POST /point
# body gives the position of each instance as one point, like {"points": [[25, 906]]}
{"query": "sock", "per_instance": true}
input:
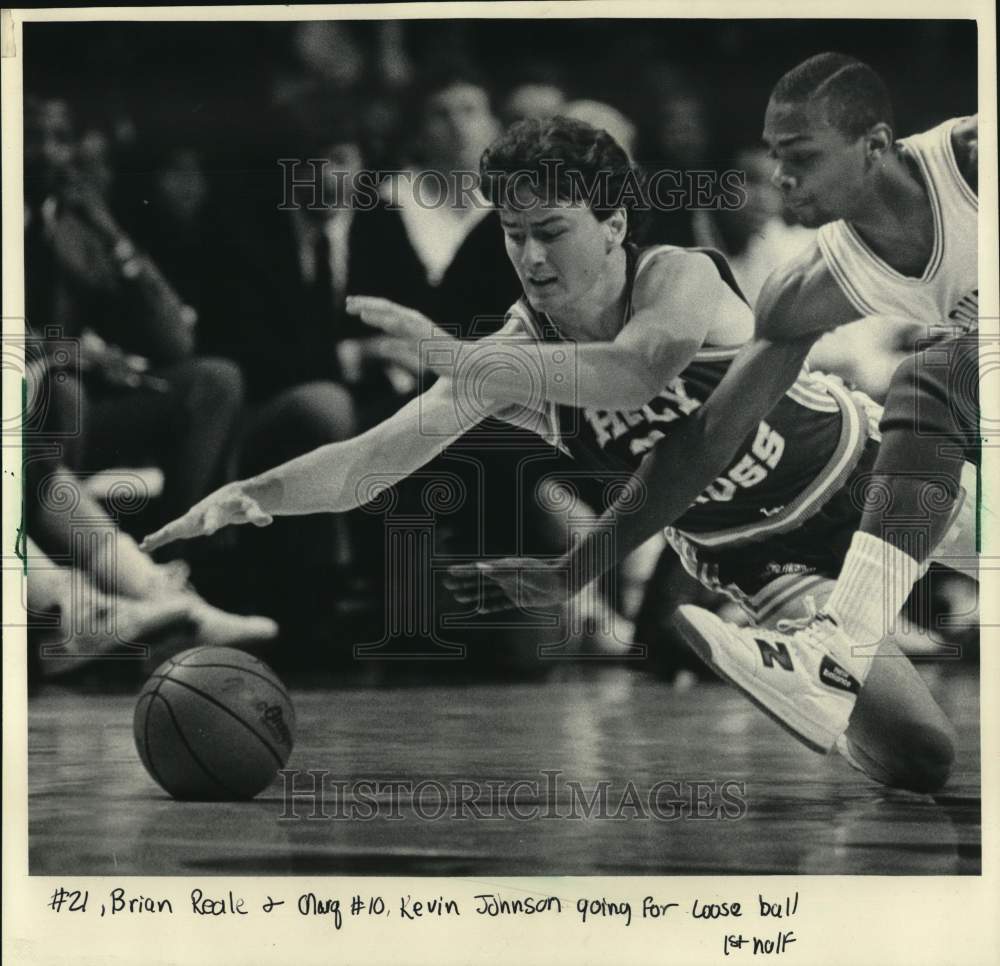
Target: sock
{"points": [[872, 587]]}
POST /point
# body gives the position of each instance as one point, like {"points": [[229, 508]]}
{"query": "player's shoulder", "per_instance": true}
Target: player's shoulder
{"points": [[965, 144], [659, 261], [800, 298], [664, 271]]}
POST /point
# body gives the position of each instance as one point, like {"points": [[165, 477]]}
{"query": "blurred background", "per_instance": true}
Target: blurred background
{"points": [[203, 335]]}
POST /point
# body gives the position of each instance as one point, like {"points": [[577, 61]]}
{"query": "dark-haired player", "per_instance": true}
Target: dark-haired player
{"points": [[607, 354], [897, 236]]}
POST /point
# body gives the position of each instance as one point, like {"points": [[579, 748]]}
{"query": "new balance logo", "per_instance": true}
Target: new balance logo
{"points": [[831, 673], [776, 652]]}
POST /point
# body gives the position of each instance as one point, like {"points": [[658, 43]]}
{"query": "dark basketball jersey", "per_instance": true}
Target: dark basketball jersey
{"points": [[782, 474]]}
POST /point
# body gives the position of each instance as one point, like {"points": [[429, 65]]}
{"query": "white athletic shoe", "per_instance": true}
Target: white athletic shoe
{"points": [[803, 680]]}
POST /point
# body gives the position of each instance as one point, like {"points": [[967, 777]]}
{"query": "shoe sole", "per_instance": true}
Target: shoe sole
{"points": [[698, 643]]}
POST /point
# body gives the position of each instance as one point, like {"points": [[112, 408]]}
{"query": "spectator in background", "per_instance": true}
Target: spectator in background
{"points": [[174, 220], [360, 68], [327, 56], [677, 137], [756, 237], [145, 394], [453, 123], [82, 558], [72, 622], [538, 91], [282, 260], [288, 251]]}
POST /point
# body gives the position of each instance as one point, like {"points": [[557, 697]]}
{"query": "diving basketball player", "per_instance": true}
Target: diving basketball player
{"points": [[897, 235], [607, 354]]}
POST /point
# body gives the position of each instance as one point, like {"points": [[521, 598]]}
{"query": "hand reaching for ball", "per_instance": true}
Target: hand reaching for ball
{"points": [[231, 505], [513, 582]]}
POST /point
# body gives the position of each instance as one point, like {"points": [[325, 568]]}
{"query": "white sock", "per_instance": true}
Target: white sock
{"points": [[872, 587]]}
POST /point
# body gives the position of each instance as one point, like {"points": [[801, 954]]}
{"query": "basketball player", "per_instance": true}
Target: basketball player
{"points": [[652, 334], [897, 235]]}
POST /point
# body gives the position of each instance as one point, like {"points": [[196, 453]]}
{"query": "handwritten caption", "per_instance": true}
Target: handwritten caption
{"points": [[759, 911]]}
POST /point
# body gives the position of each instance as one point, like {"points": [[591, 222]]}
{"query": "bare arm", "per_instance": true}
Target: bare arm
{"points": [[339, 476], [965, 143], [676, 300], [798, 304]]}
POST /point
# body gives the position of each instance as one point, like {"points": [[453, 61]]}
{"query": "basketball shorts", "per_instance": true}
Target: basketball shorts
{"points": [[775, 578]]}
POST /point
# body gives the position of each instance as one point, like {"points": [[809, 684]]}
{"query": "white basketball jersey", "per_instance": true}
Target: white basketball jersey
{"points": [[947, 294]]}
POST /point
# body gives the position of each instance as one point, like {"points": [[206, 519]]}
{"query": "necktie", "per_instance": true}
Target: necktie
{"points": [[322, 283]]}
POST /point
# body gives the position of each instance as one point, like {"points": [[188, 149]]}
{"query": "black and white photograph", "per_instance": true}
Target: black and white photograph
{"points": [[497, 446]]}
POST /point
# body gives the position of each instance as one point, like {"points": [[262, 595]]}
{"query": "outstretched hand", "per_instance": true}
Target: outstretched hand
{"points": [[393, 319], [512, 582], [229, 506]]}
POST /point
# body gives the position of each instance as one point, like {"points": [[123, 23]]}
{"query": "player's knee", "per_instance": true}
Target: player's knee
{"points": [[927, 762], [222, 379], [919, 399], [207, 384]]}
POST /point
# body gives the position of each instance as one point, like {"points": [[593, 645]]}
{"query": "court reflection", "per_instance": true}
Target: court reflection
{"points": [[597, 771]]}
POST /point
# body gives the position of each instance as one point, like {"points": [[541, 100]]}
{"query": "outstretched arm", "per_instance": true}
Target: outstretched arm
{"points": [[678, 468], [676, 300], [672, 475], [339, 476], [798, 304]]}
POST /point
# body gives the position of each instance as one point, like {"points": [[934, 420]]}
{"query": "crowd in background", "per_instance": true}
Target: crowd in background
{"points": [[191, 327]]}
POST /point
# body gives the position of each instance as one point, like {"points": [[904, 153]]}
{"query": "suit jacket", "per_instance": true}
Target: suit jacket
{"points": [[258, 310]]}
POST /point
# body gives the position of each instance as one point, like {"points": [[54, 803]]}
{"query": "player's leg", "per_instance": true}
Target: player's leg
{"points": [[898, 735], [929, 429]]}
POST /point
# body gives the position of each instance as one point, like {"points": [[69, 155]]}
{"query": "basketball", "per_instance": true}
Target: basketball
{"points": [[214, 724]]}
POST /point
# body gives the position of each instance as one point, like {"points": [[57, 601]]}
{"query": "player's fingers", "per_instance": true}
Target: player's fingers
{"points": [[479, 595], [498, 607], [464, 585], [390, 324], [376, 311], [390, 317], [497, 597], [249, 510], [355, 303], [463, 572], [183, 528], [476, 583], [212, 519], [467, 580], [395, 350], [487, 601]]}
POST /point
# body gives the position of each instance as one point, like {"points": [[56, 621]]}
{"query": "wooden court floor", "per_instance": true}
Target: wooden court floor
{"points": [[93, 809]]}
